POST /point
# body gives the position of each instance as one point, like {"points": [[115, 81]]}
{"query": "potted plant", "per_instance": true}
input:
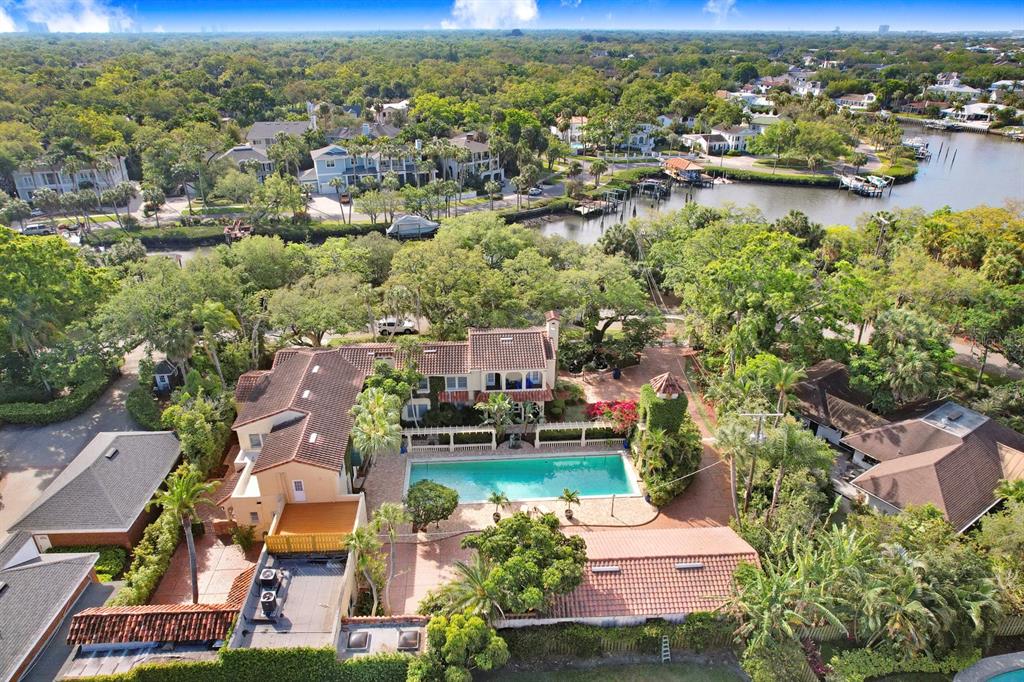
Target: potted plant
{"points": [[570, 497], [498, 499]]}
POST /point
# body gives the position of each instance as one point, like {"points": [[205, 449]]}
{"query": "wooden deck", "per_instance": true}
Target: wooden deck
{"points": [[318, 517]]}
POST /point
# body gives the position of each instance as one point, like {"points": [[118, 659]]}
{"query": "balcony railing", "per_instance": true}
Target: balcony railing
{"points": [[306, 544]]}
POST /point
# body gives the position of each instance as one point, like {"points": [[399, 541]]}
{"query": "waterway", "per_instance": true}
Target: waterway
{"points": [[970, 169]]}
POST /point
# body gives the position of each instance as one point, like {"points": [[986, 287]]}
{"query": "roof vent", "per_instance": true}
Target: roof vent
{"points": [[3, 587], [689, 566], [305, 394], [954, 416], [429, 350], [312, 437], [505, 339], [111, 453], [605, 569], [316, 368]]}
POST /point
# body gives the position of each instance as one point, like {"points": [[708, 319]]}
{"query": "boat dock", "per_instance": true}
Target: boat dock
{"points": [[866, 186], [919, 147], [592, 207], [658, 189]]}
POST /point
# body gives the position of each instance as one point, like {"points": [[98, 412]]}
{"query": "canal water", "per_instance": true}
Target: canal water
{"points": [[971, 169]]}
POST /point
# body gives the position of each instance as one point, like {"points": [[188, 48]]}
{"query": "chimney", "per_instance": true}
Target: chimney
{"points": [[552, 322]]}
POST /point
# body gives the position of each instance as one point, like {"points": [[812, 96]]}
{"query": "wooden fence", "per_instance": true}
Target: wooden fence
{"points": [[1011, 626], [306, 544]]}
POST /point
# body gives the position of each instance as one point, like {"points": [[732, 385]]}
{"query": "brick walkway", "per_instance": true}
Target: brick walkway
{"points": [[219, 562]]}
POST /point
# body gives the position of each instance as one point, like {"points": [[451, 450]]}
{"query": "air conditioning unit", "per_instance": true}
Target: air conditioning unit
{"points": [[269, 578], [268, 602]]}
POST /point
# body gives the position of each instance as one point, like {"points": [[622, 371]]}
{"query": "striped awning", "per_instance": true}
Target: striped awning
{"points": [[533, 395], [453, 396]]}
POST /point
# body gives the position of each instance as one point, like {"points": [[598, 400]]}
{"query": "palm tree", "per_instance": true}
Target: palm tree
{"points": [[650, 450], [570, 497], [733, 440], [492, 187], [185, 488], [337, 184], [497, 411], [365, 545], [214, 318], [499, 500], [376, 430], [388, 517], [597, 169], [472, 591], [789, 445], [911, 375], [783, 377]]}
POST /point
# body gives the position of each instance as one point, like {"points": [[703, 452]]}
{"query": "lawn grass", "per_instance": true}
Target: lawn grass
{"points": [[970, 375], [650, 672]]}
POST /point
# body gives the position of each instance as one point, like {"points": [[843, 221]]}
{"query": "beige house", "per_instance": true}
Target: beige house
{"points": [[294, 420]]}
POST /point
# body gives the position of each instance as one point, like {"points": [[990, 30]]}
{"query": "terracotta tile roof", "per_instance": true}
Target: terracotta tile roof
{"points": [[507, 349], [680, 164], [535, 395], [825, 396], [227, 486], [152, 623], [667, 384], [240, 587], [922, 462], [649, 580]]}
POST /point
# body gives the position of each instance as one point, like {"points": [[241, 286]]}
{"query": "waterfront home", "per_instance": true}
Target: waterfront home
{"points": [[856, 101], [641, 139], [707, 143], [100, 498], [922, 106], [482, 162], [828, 406], [682, 169], [999, 89], [294, 420], [54, 176], [952, 458], [736, 136], [638, 574], [573, 134], [245, 156], [368, 129], [37, 591], [979, 111], [262, 134], [335, 161], [957, 90], [946, 79]]}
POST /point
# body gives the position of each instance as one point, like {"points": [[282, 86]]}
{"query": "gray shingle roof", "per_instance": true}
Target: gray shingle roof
{"points": [[267, 130], [100, 493], [38, 588]]}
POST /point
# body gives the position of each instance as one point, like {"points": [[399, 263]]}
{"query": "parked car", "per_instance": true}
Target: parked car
{"points": [[390, 326], [36, 229], [535, 191], [37, 213]]}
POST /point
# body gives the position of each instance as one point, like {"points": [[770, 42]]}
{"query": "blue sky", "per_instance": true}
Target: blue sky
{"points": [[363, 15]]}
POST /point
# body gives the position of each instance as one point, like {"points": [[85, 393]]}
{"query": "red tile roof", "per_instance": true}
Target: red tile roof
{"points": [[507, 349], [152, 623], [453, 396], [649, 580]]}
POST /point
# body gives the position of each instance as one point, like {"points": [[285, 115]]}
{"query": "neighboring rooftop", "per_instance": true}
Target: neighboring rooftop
{"points": [[825, 396], [369, 635], [37, 589], [952, 457], [655, 573], [268, 130], [106, 486]]}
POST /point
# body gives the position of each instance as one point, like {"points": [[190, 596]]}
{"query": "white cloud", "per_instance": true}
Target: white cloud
{"points": [[720, 8], [159, 28], [76, 16], [6, 22], [571, 3], [491, 13]]}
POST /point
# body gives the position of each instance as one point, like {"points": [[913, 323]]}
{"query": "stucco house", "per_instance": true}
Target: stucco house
{"points": [[294, 420], [335, 161], [56, 177], [707, 143], [856, 101], [482, 162]]}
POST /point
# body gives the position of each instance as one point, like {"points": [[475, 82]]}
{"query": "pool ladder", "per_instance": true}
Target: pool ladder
{"points": [[666, 651]]}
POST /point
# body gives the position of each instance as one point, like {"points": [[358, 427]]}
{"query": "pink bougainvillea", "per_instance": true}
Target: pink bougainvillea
{"points": [[621, 412]]}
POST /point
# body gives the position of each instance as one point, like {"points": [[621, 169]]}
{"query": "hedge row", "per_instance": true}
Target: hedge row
{"points": [[109, 566], [774, 179], [859, 665], [144, 408], [318, 232], [700, 631], [152, 556], [58, 410], [280, 665], [211, 235], [539, 208], [571, 434]]}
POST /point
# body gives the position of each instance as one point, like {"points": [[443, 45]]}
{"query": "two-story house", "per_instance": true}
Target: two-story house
{"points": [[294, 420], [482, 162], [243, 156], [335, 161], [856, 101], [57, 178], [736, 136], [262, 134], [573, 134]]}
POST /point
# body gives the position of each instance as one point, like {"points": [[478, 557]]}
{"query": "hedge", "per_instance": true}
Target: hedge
{"points": [[211, 235], [144, 408], [59, 409], [280, 665], [151, 558], [109, 566], [859, 665], [661, 413], [318, 232], [700, 631], [775, 179]]}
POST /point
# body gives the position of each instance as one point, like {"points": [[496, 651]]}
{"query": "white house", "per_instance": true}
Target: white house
{"points": [[482, 162], [736, 136], [335, 161], [641, 139], [856, 101], [707, 143], [27, 181], [573, 135]]}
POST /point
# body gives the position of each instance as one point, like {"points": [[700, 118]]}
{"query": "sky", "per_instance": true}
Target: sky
{"points": [[159, 16]]}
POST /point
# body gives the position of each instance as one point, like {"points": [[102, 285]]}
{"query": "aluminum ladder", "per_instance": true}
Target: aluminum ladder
{"points": [[666, 651]]}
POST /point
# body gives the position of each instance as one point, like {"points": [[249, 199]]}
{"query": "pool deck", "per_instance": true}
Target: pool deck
{"points": [[987, 668]]}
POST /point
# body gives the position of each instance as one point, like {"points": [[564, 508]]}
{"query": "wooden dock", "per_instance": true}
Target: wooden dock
{"points": [[866, 186]]}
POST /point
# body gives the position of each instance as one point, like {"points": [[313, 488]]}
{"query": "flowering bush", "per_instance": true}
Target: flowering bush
{"points": [[622, 412], [813, 655]]}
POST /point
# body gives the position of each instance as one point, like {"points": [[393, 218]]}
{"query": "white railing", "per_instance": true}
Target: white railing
{"points": [[449, 432]]}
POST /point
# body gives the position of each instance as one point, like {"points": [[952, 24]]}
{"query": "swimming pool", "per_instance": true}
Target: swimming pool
{"points": [[532, 478], [1013, 675]]}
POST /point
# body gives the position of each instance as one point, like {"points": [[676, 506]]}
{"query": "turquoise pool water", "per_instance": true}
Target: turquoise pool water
{"points": [[1012, 676], [528, 479]]}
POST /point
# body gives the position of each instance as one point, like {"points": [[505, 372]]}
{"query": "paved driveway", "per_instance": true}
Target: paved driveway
{"points": [[36, 454]]}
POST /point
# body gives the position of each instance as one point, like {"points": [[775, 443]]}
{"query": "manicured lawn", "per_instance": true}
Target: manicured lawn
{"points": [[653, 672]]}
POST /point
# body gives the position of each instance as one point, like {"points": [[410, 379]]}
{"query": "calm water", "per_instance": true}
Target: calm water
{"points": [[986, 169], [528, 479]]}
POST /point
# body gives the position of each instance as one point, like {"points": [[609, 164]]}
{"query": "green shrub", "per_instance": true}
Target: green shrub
{"points": [[859, 665], [71, 405], [244, 536], [777, 662], [816, 180], [151, 558], [430, 502], [109, 566], [161, 238], [661, 413], [281, 665], [469, 438], [571, 434], [144, 408], [20, 393]]}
